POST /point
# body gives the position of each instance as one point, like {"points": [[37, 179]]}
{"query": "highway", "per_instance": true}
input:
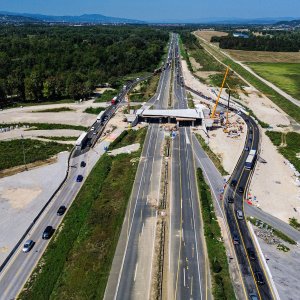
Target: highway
{"points": [[20, 266], [188, 268], [131, 273], [239, 227]]}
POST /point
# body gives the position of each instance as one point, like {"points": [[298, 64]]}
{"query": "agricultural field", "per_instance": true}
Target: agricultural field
{"points": [[284, 75], [208, 34], [264, 56]]}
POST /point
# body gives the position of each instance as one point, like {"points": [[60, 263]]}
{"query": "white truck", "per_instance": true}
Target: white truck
{"points": [[80, 140]]}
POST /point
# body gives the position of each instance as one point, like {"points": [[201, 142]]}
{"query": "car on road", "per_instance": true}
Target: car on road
{"points": [[250, 140], [61, 210], [241, 189], [92, 128], [230, 199], [233, 182], [259, 278], [48, 232], [251, 253], [28, 246], [236, 239], [247, 148], [82, 164], [79, 178], [239, 214]]}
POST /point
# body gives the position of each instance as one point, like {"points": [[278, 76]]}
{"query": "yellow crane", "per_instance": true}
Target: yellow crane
{"points": [[216, 105]]}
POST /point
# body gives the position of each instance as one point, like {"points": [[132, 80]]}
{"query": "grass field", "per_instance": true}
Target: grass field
{"points": [[94, 110], [221, 283], [77, 263], [45, 126], [291, 150], [288, 107], [34, 151], [284, 75], [106, 96], [58, 109], [59, 138], [208, 34]]}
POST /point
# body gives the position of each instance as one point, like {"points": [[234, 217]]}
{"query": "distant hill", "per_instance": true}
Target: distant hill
{"points": [[5, 19], [292, 23], [86, 18]]}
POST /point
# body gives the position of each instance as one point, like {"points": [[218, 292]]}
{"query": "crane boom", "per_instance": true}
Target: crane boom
{"points": [[215, 107]]}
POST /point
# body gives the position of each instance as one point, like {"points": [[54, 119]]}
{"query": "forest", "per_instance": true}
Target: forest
{"points": [[270, 41], [38, 62]]}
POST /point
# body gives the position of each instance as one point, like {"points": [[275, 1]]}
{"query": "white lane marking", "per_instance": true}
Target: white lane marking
{"points": [[184, 277], [135, 272], [126, 247]]}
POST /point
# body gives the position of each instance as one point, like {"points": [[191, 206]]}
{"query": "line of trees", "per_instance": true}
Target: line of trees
{"points": [[278, 42], [54, 62]]}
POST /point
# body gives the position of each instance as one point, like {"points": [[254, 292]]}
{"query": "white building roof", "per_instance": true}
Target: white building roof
{"points": [[173, 113]]}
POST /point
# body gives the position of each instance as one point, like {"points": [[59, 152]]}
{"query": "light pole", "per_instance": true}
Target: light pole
{"points": [[24, 157]]}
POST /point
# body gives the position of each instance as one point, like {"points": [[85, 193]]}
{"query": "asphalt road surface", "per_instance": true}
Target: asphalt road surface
{"points": [[131, 272], [188, 267], [248, 266]]}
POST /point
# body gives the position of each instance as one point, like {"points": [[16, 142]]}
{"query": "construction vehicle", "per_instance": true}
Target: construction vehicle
{"points": [[213, 114]]}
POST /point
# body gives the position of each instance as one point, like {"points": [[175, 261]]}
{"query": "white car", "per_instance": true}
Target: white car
{"points": [[28, 245]]}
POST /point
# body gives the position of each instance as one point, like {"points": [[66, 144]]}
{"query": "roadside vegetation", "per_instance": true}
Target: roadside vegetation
{"points": [[214, 158], [276, 232], [94, 110], [132, 107], [221, 283], [34, 150], [294, 223], [190, 99], [59, 109], [59, 138], [284, 75], [78, 260], [128, 137], [146, 91], [288, 107], [106, 96], [44, 126], [288, 144]]}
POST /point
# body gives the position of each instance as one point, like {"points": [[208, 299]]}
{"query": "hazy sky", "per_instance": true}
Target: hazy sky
{"points": [[159, 9]]}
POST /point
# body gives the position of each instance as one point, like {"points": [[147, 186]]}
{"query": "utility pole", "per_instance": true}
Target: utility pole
{"points": [[24, 157]]}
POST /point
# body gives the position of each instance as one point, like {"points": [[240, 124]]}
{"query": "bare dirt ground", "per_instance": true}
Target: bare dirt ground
{"points": [[283, 266], [273, 184], [264, 56], [27, 114], [227, 148], [208, 34], [22, 196]]}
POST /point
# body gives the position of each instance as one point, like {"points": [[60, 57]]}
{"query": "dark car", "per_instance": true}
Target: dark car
{"points": [[230, 199], [47, 233], [251, 131], [233, 182], [79, 178], [82, 164], [251, 253], [236, 239], [259, 278], [61, 210], [250, 140], [241, 189], [247, 148]]}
